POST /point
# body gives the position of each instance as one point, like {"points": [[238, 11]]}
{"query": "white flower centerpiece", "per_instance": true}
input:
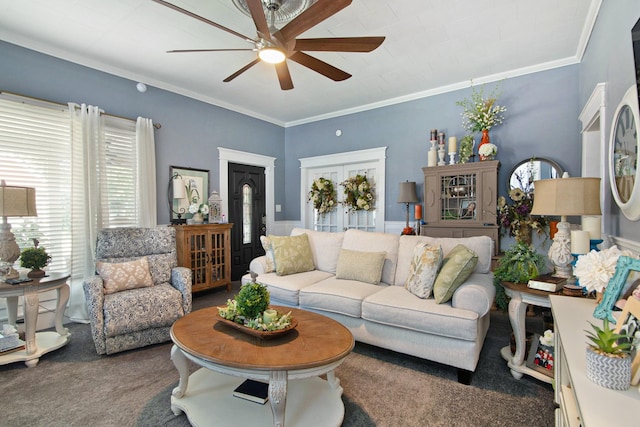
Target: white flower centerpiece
{"points": [[595, 269], [198, 211], [488, 151]]}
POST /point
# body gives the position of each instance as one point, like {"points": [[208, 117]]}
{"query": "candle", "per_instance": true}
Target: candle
{"points": [[418, 212], [434, 134], [269, 316], [592, 224], [579, 242], [432, 160], [453, 144]]}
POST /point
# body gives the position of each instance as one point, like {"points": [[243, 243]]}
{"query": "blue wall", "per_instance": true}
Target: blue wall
{"points": [[609, 59], [191, 130]]}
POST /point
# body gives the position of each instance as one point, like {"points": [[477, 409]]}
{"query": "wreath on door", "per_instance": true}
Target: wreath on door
{"points": [[358, 194], [323, 195]]}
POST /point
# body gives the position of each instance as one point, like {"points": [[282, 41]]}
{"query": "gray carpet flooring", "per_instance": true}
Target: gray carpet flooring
{"points": [[73, 386]]}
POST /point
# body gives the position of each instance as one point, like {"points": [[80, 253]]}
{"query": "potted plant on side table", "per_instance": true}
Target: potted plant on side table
{"points": [[36, 259], [608, 357]]}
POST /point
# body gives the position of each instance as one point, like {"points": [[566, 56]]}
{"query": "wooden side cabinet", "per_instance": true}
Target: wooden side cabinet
{"points": [[206, 250], [461, 201]]}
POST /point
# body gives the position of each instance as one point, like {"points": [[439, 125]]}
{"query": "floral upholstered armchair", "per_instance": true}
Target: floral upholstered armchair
{"points": [[138, 291]]}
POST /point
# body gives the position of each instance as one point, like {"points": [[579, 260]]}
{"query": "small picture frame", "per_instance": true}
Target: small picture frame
{"points": [[196, 189], [629, 322], [541, 357], [614, 289]]}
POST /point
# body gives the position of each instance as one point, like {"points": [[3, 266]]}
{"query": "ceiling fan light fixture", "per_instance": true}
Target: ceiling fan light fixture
{"points": [[272, 55]]}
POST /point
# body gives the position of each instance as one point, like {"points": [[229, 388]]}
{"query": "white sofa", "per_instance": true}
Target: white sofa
{"points": [[387, 315]]}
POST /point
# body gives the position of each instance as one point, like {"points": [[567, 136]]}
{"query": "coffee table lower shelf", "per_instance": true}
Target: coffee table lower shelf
{"points": [[209, 401]]}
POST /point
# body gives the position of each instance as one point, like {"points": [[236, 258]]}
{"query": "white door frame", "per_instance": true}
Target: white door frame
{"points": [[268, 163]]}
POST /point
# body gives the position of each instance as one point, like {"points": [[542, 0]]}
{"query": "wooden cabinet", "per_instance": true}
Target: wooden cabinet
{"points": [[461, 201], [206, 250]]}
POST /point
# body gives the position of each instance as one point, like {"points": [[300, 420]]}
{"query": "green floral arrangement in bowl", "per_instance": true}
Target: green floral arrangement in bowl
{"points": [[519, 264], [250, 308]]}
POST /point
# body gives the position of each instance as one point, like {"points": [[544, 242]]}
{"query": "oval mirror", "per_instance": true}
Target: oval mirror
{"points": [[623, 156], [524, 173]]}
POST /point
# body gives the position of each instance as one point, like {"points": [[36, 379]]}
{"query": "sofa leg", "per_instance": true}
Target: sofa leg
{"points": [[464, 376]]}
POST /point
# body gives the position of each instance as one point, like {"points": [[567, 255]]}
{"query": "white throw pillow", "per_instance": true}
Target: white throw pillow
{"points": [[425, 264], [268, 251], [122, 276]]}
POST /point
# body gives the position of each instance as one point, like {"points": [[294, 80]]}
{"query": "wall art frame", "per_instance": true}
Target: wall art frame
{"points": [[196, 183], [614, 289], [629, 322]]}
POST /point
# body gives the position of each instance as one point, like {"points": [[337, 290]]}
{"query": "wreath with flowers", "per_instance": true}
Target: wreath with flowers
{"points": [[358, 193], [323, 195]]}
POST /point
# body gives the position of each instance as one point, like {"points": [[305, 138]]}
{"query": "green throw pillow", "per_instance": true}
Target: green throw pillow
{"points": [[362, 266], [456, 267], [425, 264], [291, 254]]}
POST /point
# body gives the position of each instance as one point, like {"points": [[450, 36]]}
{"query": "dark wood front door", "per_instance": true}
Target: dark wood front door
{"points": [[247, 213]]}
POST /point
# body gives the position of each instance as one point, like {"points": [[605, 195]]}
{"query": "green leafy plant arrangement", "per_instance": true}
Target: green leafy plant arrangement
{"points": [[466, 148], [608, 343], [248, 306], [34, 258], [519, 264]]}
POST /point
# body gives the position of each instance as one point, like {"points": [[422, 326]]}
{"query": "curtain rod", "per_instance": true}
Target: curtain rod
{"points": [[155, 125]]}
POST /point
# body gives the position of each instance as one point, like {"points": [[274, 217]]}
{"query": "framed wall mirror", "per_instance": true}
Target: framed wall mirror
{"points": [[623, 156], [524, 173]]}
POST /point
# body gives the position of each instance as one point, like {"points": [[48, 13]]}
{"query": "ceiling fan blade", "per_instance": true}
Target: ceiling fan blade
{"points": [[200, 18], [339, 44], [318, 12], [206, 50], [319, 66], [241, 70], [284, 77], [257, 13]]}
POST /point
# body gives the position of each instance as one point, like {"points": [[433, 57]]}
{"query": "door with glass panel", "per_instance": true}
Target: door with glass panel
{"points": [[247, 213]]}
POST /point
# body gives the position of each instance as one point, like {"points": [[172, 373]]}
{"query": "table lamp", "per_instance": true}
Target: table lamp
{"points": [[565, 197], [175, 190], [14, 201], [407, 195]]}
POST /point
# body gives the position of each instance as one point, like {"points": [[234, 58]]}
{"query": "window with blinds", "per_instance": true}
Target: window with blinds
{"points": [[36, 151]]}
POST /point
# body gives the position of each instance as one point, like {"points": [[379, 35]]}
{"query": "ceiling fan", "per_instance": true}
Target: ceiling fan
{"points": [[277, 45]]}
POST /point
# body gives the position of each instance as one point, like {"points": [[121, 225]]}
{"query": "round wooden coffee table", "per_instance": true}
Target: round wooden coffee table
{"points": [[317, 346]]}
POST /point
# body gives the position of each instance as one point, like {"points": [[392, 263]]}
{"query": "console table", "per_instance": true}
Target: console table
{"points": [[38, 343], [582, 402]]}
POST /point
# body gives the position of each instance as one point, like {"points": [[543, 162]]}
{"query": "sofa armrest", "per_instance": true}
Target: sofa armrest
{"points": [[94, 299], [181, 280], [258, 265], [476, 294]]}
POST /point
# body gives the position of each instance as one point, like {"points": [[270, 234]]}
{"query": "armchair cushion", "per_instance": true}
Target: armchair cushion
{"points": [[120, 276]]}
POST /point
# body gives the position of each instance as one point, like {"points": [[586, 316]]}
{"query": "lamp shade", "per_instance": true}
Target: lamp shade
{"points": [[567, 197], [407, 193], [17, 201]]}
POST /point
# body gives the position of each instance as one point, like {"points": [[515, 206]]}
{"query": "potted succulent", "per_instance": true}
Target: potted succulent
{"points": [[36, 259], [608, 357]]}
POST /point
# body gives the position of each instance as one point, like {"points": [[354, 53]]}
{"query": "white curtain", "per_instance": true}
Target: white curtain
{"points": [[146, 149], [87, 146]]}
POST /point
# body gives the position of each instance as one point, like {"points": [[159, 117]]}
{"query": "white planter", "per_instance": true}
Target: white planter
{"points": [[609, 372]]}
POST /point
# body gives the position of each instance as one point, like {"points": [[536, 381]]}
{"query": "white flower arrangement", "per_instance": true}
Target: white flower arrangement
{"points": [[480, 113], [195, 208], [595, 269], [547, 338], [488, 150]]}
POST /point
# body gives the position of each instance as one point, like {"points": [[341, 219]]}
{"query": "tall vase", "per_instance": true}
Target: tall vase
{"points": [[485, 140]]}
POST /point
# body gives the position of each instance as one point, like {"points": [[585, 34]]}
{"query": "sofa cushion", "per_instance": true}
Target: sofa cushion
{"points": [[425, 264], [325, 247], [158, 306], [122, 276], [456, 267], [362, 266], [291, 254], [285, 289], [396, 306], [337, 296], [358, 240], [270, 264]]}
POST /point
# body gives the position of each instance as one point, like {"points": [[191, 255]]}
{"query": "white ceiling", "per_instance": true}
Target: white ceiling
{"points": [[431, 46]]}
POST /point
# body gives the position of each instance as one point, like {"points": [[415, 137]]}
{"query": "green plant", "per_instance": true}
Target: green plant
{"points": [[252, 300], [34, 258], [519, 264], [606, 342]]}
